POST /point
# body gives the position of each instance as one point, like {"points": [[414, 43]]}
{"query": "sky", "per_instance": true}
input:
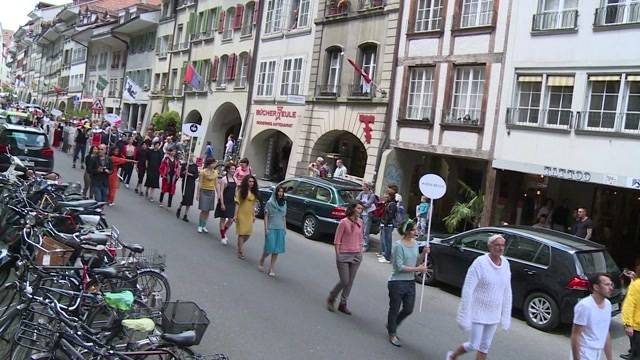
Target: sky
{"points": [[11, 17]]}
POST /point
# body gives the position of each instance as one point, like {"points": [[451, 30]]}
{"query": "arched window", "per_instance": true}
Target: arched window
{"points": [[249, 18], [333, 65], [222, 71], [367, 60], [242, 69], [228, 24]]}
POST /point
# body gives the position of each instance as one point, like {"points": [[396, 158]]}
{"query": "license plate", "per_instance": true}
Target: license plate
{"points": [[28, 163]]}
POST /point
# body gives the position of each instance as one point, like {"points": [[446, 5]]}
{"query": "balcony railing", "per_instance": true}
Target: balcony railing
{"points": [[477, 19], [183, 46], [608, 121], [463, 117], [370, 4], [557, 20], [330, 90], [174, 92], [185, 3], [162, 53], [562, 119], [617, 14], [425, 114], [247, 28], [227, 34], [336, 8], [361, 91], [424, 25]]}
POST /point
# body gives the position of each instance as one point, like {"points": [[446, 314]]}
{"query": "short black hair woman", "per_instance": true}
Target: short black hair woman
{"points": [[275, 228], [349, 248], [402, 285], [245, 216]]}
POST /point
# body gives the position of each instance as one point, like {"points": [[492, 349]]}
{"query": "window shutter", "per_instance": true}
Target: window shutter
{"points": [[205, 21], [237, 24], [214, 69], [248, 62], [221, 22], [157, 44], [256, 6], [231, 66], [182, 71]]}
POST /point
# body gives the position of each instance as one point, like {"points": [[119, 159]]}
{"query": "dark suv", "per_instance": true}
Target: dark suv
{"points": [[29, 144], [549, 269], [315, 204]]}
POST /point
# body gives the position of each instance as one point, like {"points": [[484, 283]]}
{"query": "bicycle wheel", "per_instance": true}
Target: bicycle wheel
{"points": [[9, 297], [153, 289], [8, 326]]}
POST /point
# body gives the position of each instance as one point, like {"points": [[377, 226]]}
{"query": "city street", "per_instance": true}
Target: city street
{"points": [[254, 316]]}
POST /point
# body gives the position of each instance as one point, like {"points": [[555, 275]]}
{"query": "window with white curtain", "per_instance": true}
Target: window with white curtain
{"points": [[428, 15], [273, 18], [420, 96], [529, 92], [476, 13], [266, 76], [468, 94], [556, 14], [291, 79]]}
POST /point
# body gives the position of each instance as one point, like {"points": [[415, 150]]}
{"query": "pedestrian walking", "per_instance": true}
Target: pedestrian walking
{"points": [[80, 146], [228, 148], [341, 170], [129, 151], [93, 154], [206, 194], [275, 229], [169, 171], [348, 248], [243, 170], [402, 282], [583, 226], [114, 181], [208, 152], [368, 200], [189, 175], [631, 315], [154, 158], [486, 300], [245, 215], [142, 156], [101, 168], [57, 135], [422, 215], [226, 208], [386, 226], [591, 319]]}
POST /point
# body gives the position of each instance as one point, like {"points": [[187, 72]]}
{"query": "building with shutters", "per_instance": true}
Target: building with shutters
{"points": [[217, 39], [569, 125], [283, 65]]}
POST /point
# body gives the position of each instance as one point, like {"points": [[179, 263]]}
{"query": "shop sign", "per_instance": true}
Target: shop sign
{"points": [[568, 174], [277, 117], [633, 183], [610, 180]]}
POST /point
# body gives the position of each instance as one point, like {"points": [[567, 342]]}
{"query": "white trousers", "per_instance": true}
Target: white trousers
{"points": [[588, 354], [480, 338]]}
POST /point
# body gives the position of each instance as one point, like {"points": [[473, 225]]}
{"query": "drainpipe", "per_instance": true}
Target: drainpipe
{"points": [[384, 144], [250, 80]]}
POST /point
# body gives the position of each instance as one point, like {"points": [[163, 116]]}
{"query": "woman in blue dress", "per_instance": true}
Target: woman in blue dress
{"points": [[275, 225]]}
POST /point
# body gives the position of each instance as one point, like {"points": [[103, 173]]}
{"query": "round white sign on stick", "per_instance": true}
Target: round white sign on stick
{"points": [[432, 186]]}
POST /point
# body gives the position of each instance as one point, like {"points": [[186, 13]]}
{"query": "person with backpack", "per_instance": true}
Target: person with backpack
{"points": [[368, 200], [387, 222]]}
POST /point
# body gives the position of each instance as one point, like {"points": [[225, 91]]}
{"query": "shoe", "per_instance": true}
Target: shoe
{"points": [[160, 204], [449, 355], [73, 166], [126, 185], [343, 309], [184, 218], [110, 204], [395, 341], [626, 356], [379, 255], [272, 274], [224, 241], [383, 260], [178, 213], [135, 191], [331, 306], [200, 229], [204, 229]]}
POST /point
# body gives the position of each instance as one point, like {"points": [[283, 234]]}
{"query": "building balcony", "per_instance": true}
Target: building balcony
{"points": [[534, 118], [203, 35], [617, 14], [364, 5], [560, 21], [161, 53], [184, 3], [360, 91], [473, 22], [174, 92], [328, 91], [609, 122], [183, 46], [463, 118], [75, 88]]}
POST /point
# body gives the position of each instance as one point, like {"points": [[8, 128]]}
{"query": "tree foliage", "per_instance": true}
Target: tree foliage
{"points": [[467, 211], [168, 121]]}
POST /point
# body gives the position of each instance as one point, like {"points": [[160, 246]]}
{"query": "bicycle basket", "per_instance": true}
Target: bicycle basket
{"points": [[179, 316], [39, 332], [149, 259], [52, 253]]}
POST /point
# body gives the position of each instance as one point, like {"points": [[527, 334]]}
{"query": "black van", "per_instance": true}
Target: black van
{"points": [[549, 269], [29, 144]]}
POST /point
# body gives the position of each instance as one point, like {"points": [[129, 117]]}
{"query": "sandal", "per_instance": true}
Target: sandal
{"points": [[261, 268], [241, 256], [272, 274]]}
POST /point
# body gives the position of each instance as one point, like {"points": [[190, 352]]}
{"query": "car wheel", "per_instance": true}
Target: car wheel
{"points": [[541, 312], [430, 275], [310, 227]]}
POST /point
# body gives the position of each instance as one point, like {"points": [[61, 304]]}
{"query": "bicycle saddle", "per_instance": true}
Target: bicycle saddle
{"points": [[134, 248], [185, 338], [78, 203]]}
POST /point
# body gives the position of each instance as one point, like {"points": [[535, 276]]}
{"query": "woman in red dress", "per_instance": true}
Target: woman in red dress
{"points": [[57, 135], [114, 182], [169, 172]]}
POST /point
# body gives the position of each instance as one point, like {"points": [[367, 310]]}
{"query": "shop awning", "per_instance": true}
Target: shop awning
{"points": [[633, 77], [529, 78], [604, 77], [560, 80]]}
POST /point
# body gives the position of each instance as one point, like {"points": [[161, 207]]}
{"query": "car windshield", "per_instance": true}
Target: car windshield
{"points": [[597, 261], [24, 140], [347, 196]]}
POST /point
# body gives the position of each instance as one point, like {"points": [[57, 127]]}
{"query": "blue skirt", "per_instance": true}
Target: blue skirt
{"points": [[274, 241]]}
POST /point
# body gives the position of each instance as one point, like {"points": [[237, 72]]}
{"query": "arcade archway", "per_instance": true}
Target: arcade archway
{"points": [[340, 144], [226, 121], [269, 154]]}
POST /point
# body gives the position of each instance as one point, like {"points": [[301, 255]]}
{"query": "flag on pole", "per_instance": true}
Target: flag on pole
{"points": [[366, 79], [131, 90], [191, 77]]}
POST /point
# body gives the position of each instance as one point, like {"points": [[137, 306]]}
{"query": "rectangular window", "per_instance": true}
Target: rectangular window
{"points": [[556, 14], [428, 15], [291, 77], [529, 91], [603, 102], [266, 75], [333, 75], [368, 66], [273, 22], [299, 14], [243, 70], [467, 96], [632, 114], [420, 96], [615, 12], [476, 13], [559, 100]]}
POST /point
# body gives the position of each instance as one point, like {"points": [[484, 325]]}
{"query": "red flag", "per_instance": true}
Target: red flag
{"points": [[364, 75], [188, 74]]}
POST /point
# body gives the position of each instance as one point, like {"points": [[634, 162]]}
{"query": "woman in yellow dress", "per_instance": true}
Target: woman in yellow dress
{"points": [[244, 218]]}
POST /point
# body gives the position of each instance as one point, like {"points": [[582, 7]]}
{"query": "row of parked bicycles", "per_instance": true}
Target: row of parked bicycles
{"points": [[73, 289]]}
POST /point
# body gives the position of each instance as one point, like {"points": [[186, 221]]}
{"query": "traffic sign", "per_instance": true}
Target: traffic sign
{"points": [[97, 105]]}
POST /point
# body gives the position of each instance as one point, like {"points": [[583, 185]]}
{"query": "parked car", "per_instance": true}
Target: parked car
{"points": [[29, 144], [314, 204], [549, 269]]}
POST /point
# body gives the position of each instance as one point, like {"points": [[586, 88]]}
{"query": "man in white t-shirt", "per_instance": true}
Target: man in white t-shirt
{"points": [[592, 316], [341, 170]]}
